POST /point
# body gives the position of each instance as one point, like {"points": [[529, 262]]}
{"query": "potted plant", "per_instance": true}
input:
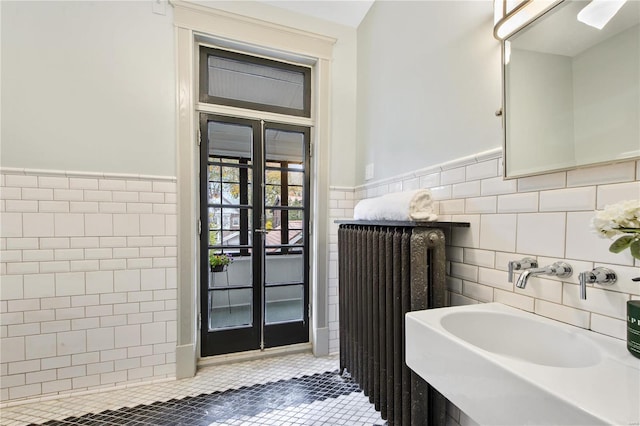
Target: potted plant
{"points": [[218, 262]]}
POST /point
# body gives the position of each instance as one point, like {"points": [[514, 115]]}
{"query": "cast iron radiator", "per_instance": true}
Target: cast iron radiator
{"points": [[384, 272]]}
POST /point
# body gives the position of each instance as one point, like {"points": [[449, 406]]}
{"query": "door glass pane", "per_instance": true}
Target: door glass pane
{"points": [[272, 219], [215, 174], [239, 273], [296, 235], [295, 178], [227, 192], [295, 196], [282, 145], [230, 226], [295, 218], [272, 196], [273, 191], [284, 269], [274, 238], [284, 304], [230, 308], [231, 232], [215, 224], [230, 140]]}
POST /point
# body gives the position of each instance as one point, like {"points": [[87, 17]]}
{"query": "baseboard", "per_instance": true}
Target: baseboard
{"points": [[185, 361], [321, 341]]}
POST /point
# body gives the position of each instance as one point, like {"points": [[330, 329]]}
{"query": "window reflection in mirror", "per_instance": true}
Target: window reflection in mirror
{"points": [[572, 91]]}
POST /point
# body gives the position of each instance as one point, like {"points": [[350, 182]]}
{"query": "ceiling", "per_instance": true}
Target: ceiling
{"points": [[344, 12]]}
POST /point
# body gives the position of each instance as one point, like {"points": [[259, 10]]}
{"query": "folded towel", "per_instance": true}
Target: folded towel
{"points": [[414, 205]]}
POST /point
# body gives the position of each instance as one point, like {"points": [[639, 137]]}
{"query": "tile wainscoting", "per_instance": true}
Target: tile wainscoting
{"points": [[341, 203], [88, 281]]}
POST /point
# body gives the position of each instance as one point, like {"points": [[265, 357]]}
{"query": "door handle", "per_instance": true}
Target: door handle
{"points": [[261, 231]]}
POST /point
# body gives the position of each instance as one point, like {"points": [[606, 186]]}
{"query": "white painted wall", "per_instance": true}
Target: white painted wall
{"points": [[88, 86], [428, 84]]}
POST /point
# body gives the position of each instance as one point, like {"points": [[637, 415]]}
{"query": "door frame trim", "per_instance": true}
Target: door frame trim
{"points": [[191, 20]]}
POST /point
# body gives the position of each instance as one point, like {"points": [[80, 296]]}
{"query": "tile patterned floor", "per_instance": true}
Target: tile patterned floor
{"points": [[296, 389]]}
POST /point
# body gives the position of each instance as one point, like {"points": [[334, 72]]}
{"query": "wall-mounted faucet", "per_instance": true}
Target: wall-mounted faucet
{"points": [[600, 275], [518, 265], [558, 269]]}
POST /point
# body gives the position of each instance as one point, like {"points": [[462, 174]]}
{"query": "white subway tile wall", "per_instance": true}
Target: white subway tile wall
{"points": [[341, 203], [88, 282], [546, 217]]}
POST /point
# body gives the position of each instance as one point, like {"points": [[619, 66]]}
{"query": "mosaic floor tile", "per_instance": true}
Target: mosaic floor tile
{"points": [[295, 389]]}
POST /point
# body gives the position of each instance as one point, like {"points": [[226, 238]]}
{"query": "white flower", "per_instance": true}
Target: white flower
{"points": [[620, 218]]}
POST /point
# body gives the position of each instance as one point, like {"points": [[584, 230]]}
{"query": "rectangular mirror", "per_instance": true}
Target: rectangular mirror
{"points": [[572, 91]]}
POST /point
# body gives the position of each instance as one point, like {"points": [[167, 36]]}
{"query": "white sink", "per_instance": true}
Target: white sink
{"points": [[504, 366], [520, 337]]}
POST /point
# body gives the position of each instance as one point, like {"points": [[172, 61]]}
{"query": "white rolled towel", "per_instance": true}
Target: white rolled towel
{"points": [[414, 205]]}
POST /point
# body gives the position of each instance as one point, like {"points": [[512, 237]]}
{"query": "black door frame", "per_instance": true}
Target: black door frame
{"points": [[259, 335]]}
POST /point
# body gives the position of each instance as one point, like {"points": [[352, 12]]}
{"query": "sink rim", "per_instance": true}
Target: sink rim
{"points": [[586, 354]]}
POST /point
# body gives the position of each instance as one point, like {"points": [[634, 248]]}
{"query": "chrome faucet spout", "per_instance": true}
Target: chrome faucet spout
{"points": [[522, 279], [558, 269]]}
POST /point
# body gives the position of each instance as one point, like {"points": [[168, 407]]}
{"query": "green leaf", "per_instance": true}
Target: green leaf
{"points": [[629, 230], [635, 249], [621, 243]]}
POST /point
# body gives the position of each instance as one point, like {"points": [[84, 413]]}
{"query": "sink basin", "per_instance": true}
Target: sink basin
{"points": [[504, 366], [520, 338]]}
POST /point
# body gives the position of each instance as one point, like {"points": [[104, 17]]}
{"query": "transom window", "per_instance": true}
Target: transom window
{"points": [[234, 79]]}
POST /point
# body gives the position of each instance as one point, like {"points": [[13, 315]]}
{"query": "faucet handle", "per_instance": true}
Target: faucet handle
{"points": [[561, 269], [584, 278], [600, 275], [517, 265]]}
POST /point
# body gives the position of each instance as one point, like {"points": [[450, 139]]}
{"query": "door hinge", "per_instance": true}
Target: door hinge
{"points": [[310, 150], [199, 320], [199, 226], [199, 137], [310, 227], [309, 311]]}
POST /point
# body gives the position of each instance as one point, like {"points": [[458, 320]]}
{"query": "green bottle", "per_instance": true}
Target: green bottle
{"points": [[633, 327]]}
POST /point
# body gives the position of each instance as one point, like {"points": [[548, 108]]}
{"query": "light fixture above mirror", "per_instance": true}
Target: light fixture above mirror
{"points": [[511, 15]]}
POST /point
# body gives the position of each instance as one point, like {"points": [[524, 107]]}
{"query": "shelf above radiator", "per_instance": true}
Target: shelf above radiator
{"points": [[408, 224]]}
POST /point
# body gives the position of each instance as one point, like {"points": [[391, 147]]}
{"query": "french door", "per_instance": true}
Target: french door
{"points": [[254, 198]]}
